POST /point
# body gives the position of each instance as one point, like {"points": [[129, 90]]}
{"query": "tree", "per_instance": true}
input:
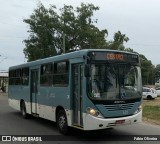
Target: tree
{"points": [[49, 28], [157, 73], [117, 43], [147, 70]]}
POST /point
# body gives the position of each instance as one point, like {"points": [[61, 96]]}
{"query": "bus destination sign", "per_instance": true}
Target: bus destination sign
{"points": [[115, 56]]}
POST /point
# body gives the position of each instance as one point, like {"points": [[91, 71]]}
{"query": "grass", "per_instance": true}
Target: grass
{"points": [[151, 112]]}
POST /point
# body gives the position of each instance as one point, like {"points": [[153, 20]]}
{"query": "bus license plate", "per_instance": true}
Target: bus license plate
{"points": [[120, 121]]}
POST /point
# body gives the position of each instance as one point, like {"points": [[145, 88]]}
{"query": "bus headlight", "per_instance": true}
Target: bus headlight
{"points": [[139, 109], [92, 112]]}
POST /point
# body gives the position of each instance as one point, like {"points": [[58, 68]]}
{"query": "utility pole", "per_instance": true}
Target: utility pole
{"points": [[64, 43]]}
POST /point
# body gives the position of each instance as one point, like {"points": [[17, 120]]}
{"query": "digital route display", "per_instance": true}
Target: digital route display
{"points": [[115, 57]]}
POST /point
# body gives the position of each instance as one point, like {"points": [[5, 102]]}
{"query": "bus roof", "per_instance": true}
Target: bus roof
{"points": [[70, 55]]}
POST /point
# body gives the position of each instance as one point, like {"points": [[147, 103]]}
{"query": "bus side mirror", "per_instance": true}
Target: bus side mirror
{"points": [[87, 71]]}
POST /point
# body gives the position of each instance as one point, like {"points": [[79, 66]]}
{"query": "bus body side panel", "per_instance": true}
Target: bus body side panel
{"points": [[14, 97], [17, 93], [46, 103], [25, 93], [51, 97]]}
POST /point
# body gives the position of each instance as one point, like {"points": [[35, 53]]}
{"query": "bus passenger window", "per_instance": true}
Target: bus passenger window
{"points": [[15, 77], [61, 74], [46, 74], [25, 76]]}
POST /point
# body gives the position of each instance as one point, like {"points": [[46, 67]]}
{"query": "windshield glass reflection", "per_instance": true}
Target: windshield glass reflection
{"points": [[115, 81]]}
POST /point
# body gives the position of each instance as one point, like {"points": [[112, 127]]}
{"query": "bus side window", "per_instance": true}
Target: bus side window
{"points": [[18, 77], [46, 74], [61, 74], [11, 75], [15, 77], [25, 76]]}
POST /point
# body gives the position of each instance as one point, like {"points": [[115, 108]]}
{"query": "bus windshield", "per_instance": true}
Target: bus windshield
{"points": [[115, 81]]}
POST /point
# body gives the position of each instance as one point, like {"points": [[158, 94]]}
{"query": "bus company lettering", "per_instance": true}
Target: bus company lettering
{"points": [[19, 138], [113, 56], [34, 139]]}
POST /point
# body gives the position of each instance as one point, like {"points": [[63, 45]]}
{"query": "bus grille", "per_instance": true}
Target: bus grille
{"points": [[119, 107]]}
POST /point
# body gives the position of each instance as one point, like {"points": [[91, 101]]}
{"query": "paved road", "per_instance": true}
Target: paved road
{"points": [[11, 123]]}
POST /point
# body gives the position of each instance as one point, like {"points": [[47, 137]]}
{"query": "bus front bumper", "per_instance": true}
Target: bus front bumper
{"points": [[95, 123]]}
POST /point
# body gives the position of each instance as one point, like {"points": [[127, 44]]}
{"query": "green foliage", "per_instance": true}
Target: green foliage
{"points": [[48, 29], [147, 70], [157, 72], [117, 43]]}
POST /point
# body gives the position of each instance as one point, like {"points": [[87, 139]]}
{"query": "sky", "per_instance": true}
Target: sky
{"points": [[137, 19]]}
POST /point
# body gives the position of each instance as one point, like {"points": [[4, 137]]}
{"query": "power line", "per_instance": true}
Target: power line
{"points": [[3, 59], [9, 37], [155, 45], [4, 23]]}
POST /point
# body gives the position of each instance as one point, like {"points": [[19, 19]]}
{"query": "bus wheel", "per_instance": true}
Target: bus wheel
{"points": [[23, 110], [62, 122]]}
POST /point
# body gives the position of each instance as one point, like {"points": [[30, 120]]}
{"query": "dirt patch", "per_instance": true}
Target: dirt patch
{"points": [[155, 122], [155, 102]]}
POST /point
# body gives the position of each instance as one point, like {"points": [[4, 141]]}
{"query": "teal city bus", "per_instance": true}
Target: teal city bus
{"points": [[87, 89]]}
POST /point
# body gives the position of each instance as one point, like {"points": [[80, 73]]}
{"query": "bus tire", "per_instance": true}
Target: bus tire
{"points": [[23, 110], [62, 122]]}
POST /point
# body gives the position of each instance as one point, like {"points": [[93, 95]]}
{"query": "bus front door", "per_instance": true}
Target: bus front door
{"points": [[77, 86], [34, 91]]}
